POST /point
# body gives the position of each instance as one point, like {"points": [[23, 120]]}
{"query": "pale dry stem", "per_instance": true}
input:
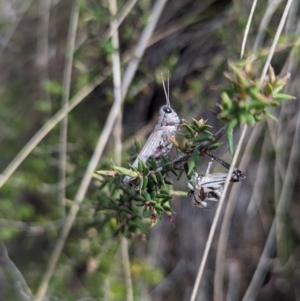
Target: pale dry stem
{"points": [[43, 50], [275, 41], [248, 28], [142, 45], [271, 8], [67, 75], [116, 65], [118, 19]]}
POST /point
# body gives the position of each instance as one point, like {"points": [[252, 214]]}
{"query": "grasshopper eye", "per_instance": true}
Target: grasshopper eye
{"points": [[167, 110]]}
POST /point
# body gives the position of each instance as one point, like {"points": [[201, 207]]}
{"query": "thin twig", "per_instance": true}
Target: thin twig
{"points": [[275, 41], [116, 65], [271, 8], [120, 18], [248, 27], [142, 45], [112, 116], [216, 218], [126, 268], [43, 49], [65, 102]]}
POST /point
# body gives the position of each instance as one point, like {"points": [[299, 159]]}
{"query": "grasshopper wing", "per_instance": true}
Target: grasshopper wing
{"points": [[154, 147]]}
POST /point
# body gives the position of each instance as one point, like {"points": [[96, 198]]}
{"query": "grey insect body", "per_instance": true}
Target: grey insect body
{"points": [[158, 144], [210, 187]]}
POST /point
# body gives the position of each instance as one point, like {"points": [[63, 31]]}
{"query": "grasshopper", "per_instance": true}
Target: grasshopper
{"points": [[158, 143], [210, 187]]}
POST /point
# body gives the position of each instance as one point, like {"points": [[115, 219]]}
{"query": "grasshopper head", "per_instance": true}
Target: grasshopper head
{"points": [[167, 116]]}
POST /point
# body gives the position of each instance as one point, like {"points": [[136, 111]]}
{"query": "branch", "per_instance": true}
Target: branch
{"points": [[65, 102]]}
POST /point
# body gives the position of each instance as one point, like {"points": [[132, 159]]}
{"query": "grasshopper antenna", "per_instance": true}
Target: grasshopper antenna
{"points": [[167, 93]]}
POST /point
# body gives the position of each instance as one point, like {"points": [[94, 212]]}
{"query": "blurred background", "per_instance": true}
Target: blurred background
{"points": [[193, 40]]}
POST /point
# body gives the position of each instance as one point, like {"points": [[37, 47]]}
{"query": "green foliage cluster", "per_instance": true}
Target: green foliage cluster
{"points": [[244, 101], [247, 99], [150, 195]]}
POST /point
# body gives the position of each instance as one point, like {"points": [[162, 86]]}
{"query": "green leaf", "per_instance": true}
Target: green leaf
{"points": [[153, 195], [141, 185], [203, 137], [255, 104], [166, 199], [274, 103], [153, 177], [153, 163], [109, 173], [147, 196], [242, 118], [193, 162], [165, 191], [225, 113], [250, 119], [146, 212], [190, 129], [125, 171], [230, 142], [226, 101], [232, 124], [200, 125], [186, 168], [145, 183], [160, 178], [271, 116], [140, 166], [158, 208], [283, 96], [214, 146]]}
